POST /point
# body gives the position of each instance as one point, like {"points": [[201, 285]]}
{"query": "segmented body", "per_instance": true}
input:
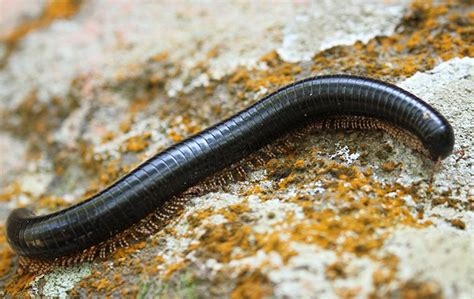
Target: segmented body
{"points": [[172, 171]]}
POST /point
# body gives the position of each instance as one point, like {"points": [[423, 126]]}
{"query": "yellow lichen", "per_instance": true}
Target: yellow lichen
{"points": [[361, 212], [11, 191], [55, 9], [137, 143], [252, 284], [173, 268]]}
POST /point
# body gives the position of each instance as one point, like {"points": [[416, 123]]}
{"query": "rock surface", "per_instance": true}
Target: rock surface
{"points": [[88, 89]]}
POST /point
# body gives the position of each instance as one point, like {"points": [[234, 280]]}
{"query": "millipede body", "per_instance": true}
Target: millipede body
{"points": [[172, 171]]}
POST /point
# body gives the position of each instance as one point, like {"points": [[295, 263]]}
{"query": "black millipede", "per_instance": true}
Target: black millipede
{"points": [[157, 181]]}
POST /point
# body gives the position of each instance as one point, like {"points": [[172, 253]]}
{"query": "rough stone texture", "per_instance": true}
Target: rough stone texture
{"points": [[337, 25], [59, 282], [449, 89], [424, 253], [14, 161], [102, 43], [83, 99], [14, 12]]}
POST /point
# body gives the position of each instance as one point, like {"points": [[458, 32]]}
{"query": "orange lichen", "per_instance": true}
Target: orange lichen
{"points": [[51, 203], [107, 175], [101, 284], [347, 293], [422, 43], [152, 267], [125, 252], [137, 143], [254, 190], [390, 166], [361, 212], [212, 53], [283, 75], [419, 46], [272, 242], [55, 9], [299, 164], [126, 124], [6, 254], [17, 286], [364, 212], [181, 127], [239, 76], [280, 73], [10, 191], [232, 212], [252, 284], [284, 182], [175, 136], [336, 270], [108, 281], [413, 289], [108, 136], [382, 276], [6, 260], [219, 241], [163, 56], [197, 218], [32, 115], [458, 223], [172, 269], [361, 207]]}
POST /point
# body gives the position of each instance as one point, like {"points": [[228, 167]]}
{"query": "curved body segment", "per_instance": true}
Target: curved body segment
{"points": [[186, 163]]}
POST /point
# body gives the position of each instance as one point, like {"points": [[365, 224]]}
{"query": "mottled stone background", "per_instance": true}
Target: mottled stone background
{"points": [[88, 89]]}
